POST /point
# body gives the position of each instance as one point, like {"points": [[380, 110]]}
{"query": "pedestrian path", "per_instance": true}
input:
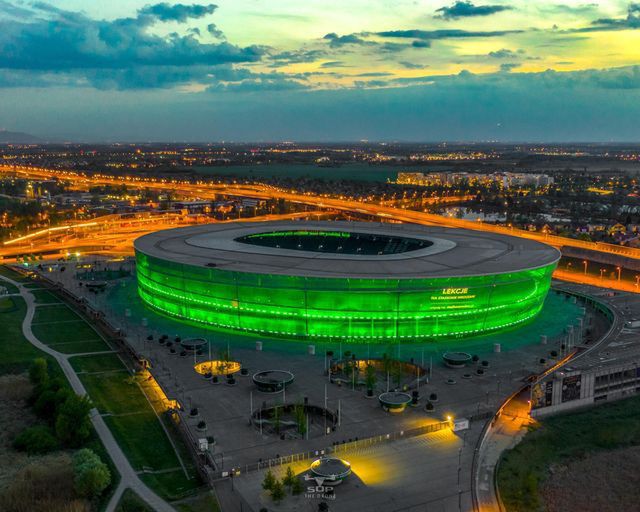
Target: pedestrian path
{"points": [[129, 477]]}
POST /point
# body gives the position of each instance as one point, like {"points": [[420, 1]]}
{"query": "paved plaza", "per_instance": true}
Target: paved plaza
{"points": [[415, 473]]}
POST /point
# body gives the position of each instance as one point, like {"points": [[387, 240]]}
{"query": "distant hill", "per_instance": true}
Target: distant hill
{"points": [[7, 137]]}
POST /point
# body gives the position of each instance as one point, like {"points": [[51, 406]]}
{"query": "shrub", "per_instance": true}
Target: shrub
{"points": [[269, 481], [91, 475], [277, 491], [36, 440], [289, 477], [297, 487], [39, 372], [73, 426]]}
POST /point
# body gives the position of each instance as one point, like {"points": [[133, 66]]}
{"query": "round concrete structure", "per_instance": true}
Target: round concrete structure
{"points": [[331, 469], [344, 280]]}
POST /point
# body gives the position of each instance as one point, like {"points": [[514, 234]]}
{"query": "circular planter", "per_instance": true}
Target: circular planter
{"points": [[394, 401], [201, 426], [456, 359], [429, 407], [244, 371], [451, 382], [272, 381], [192, 344], [466, 376]]}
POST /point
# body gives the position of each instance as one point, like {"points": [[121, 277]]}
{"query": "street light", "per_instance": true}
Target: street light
{"points": [[585, 263], [602, 272], [619, 272]]}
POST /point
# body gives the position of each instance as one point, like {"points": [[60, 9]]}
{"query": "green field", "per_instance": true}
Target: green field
{"points": [[45, 297], [17, 352], [131, 502], [135, 425], [562, 439], [99, 363], [56, 313]]}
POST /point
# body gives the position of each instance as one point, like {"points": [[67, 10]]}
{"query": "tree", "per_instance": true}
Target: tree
{"points": [[36, 440], [39, 372], [269, 481], [397, 372], [370, 377], [277, 491], [91, 475], [301, 418], [73, 426], [297, 487], [289, 477]]}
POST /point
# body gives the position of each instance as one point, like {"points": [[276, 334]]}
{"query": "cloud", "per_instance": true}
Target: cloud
{"points": [[373, 74], [178, 12], [421, 44], [333, 64], [336, 41], [505, 53], [506, 67], [213, 29], [95, 52], [429, 35], [465, 9], [259, 85], [411, 65], [632, 21]]}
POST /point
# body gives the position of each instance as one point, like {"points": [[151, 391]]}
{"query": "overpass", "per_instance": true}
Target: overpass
{"points": [[207, 190]]}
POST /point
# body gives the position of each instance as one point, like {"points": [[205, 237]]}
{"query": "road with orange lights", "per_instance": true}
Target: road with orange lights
{"points": [[206, 190], [112, 235]]}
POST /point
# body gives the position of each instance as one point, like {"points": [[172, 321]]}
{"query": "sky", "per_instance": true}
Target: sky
{"points": [[321, 70]]}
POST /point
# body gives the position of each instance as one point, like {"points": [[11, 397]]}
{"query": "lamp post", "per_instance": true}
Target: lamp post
{"points": [[602, 272], [585, 263], [619, 269]]}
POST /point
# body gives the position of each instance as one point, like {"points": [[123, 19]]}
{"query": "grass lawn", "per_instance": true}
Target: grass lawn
{"points": [[50, 333], [97, 363], [45, 297], [80, 347], [7, 272], [115, 392], [56, 314], [203, 502], [560, 440], [10, 287], [143, 441], [171, 485], [17, 352], [7, 304], [131, 502]]}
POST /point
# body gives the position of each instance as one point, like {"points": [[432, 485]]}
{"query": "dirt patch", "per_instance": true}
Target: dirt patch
{"points": [[602, 482], [44, 485], [15, 416]]}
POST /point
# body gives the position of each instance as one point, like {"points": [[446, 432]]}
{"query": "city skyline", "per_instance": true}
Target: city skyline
{"points": [[320, 71]]}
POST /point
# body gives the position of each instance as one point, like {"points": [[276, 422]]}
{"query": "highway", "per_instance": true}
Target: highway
{"points": [[207, 190]]}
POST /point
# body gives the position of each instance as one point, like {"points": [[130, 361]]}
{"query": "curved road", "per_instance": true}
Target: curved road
{"points": [[128, 476]]}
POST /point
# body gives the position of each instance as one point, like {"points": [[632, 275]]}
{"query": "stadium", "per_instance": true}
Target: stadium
{"points": [[350, 281]]}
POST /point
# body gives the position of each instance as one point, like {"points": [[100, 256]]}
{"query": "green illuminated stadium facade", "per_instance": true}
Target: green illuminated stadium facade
{"points": [[303, 305]]}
